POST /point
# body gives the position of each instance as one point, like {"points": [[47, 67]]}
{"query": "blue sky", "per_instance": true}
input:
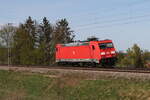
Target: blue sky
{"points": [[124, 21]]}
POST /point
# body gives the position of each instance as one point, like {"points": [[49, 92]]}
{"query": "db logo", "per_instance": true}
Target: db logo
{"points": [[73, 52]]}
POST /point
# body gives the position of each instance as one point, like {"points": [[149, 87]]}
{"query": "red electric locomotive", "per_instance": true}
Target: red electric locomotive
{"points": [[93, 52]]}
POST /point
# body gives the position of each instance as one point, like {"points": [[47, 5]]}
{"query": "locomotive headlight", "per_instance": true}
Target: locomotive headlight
{"points": [[103, 53], [113, 52]]}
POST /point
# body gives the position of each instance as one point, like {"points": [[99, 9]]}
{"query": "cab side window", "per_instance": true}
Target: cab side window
{"points": [[93, 47]]}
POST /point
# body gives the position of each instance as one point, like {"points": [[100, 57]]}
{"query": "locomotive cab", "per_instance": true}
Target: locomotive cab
{"points": [[107, 53]]}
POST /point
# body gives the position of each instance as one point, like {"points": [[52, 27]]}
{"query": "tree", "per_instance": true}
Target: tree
{"points": [[30, 29], [6, 36], [21, 46], [137, 56], [63, 33], [45, 39], [25, 43], [146, 57]]}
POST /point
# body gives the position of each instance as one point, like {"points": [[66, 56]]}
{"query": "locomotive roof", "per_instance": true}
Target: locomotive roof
{"points": [[76, 44], [79, 43]]}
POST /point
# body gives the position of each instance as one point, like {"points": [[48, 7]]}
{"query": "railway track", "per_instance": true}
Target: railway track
{"points": [[144, 70], [129, 70]]}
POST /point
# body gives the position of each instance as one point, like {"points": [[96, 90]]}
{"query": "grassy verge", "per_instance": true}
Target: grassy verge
{"points": [[34, 86]]}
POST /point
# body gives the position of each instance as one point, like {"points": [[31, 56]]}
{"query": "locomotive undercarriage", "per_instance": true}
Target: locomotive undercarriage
{"points": [[108, 61], [105, 62]]}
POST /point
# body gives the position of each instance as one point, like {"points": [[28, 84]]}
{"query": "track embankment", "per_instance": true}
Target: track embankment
{"points": [[92, 73]]}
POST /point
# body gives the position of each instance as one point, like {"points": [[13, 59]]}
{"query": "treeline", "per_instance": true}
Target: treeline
{"points": [[33, 43], [134, 57]]}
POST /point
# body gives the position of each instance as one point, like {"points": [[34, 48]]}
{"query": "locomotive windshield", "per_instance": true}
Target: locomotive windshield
{"points": [[105, 45]]}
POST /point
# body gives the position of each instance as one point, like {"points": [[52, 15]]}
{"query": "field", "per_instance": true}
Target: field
{"points": [[70, 86]]}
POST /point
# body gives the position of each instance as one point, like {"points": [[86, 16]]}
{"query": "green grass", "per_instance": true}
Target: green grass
{"points": [[34, 86]]}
